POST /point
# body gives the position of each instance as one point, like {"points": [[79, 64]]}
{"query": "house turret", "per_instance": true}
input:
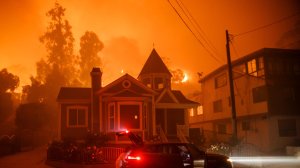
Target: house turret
{"points": [[155, 73]]}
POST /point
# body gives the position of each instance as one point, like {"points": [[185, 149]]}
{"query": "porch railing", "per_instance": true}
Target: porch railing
{"points": [[182, 133], [112, 153], [161, 133]]}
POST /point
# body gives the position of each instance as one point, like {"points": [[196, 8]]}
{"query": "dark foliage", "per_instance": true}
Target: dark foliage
{"points": [[91, 151], [6, 105], [9, 145], [8, 81], [33, 116]]}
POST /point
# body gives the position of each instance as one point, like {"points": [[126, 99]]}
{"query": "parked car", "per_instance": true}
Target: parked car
{"points": [[175, 155]]}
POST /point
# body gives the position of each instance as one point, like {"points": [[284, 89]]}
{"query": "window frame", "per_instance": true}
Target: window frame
{"points": [[191, 112], [256, 67], [220, 80], [77, 107], [200, 110], [140, 114]]}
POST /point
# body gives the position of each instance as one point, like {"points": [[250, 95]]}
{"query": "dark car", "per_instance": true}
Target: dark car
{"points": [[174, 155]]}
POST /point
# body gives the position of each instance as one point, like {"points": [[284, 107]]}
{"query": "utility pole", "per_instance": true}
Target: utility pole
{"points": [[232, 97]]}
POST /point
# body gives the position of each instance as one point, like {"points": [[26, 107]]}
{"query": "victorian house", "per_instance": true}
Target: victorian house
{"points": [[146, 105]]}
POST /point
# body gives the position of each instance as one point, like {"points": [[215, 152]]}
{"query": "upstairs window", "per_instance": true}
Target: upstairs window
{"points": [[199, 110], [220, 80], [255, 67], [191, 111], [147, 82], [77, 116], [158, 83], [252, 69]]}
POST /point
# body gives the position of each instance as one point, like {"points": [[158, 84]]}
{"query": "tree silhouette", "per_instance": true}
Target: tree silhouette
{"points": [[8, 81], [90, 46], [59, 68], [58, 40], [34, 92]]}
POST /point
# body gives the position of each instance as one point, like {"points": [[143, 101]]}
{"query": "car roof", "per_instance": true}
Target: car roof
{"points": [[166, 143]]}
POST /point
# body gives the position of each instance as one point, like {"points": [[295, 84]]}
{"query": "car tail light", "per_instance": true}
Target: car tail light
{"points": [[133, 157]]}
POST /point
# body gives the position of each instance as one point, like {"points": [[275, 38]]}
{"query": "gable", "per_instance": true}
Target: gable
{"points": [[166, 96], [174, 97], [126, 82], [127, 93]]}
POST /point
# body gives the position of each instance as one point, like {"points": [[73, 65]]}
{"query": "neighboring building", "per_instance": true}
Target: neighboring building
{"points": [[147, 105], [267, 96]]}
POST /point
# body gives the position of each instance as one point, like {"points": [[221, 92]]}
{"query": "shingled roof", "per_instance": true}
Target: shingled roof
{"points": [[181, 98], [154, 64], [67, 93]]}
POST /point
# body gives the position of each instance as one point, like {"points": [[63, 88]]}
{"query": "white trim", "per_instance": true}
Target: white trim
{"points": [[77, 107], [100, 114], [114, 116], [140, 113]]}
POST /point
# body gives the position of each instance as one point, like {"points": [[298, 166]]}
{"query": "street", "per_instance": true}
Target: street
{"points": [[36, 158]]}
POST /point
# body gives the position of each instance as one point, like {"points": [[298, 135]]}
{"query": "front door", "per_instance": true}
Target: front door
{"points": [[174, 117]]}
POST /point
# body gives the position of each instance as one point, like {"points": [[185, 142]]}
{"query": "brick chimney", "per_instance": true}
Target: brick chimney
{"points": [[96, 77]]}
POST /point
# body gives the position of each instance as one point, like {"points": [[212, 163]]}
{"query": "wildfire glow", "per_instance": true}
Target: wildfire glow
{"points": [[185, 78]]}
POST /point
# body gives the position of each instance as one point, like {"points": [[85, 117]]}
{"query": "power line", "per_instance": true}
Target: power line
{"points": [[217, 59], [267, 25], [196, 25]]}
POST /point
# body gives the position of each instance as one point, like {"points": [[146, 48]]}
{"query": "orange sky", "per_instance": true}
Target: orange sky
{"points": [[128, 29]]}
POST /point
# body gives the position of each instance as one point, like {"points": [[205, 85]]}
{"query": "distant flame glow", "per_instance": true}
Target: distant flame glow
{"points": [[185, 78]]}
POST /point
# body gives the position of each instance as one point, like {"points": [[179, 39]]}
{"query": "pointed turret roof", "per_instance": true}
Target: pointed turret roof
{"points": [[154, 64]]}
